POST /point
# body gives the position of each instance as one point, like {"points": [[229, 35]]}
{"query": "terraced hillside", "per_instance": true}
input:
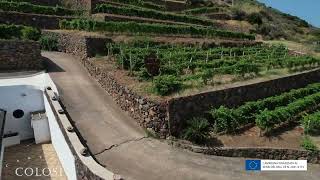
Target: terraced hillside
{"points": [[207, 71]]}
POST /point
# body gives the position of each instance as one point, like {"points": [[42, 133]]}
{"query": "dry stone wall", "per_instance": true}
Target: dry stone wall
{"points": [[35, 20], [168, 117], [182, 108], [79, 45], [149, 114], [20, 55]]}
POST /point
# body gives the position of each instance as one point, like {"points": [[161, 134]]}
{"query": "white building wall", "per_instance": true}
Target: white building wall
{"points": [[60, 145]]}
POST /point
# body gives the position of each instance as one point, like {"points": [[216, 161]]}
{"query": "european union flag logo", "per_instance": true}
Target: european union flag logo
{"points": [[253, 165]]}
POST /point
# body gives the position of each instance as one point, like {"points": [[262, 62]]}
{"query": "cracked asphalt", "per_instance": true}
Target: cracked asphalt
{"points": [[121, 145]]}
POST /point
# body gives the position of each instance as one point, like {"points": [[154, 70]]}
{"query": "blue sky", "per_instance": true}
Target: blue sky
{"points": [[308, 10]]}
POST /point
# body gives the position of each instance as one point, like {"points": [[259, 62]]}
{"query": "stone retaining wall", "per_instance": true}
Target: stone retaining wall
{"points": [[77, 4], [259, 153], [20, 55], [44, 2], [182, 108], [79, 45], [149, 114], [172, 114], [35, 20]]}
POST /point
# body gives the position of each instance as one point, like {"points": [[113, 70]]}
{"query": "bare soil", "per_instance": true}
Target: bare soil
{"points": [[289, 139]]}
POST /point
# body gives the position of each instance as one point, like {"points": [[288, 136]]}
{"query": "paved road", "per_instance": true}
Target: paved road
{"points": [[120, 144]]}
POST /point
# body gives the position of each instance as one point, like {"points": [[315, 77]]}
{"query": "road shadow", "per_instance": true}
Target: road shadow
{"points": [[51, 66]]}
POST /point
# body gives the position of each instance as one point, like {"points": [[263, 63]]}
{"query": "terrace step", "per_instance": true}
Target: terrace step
{"points": [[44, 2], [114, 17], [219, 16], [36, 20]]}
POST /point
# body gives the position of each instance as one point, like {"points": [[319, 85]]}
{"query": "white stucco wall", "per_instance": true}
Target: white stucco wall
{"points": [[60, 145], [26, 93]]}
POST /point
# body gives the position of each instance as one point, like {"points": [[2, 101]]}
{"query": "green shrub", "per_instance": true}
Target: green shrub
{"points": [[255, 18], [49, 43], [19, 32], [224, 119], [30, 33], [166, 84], [239, 15], [311, 123], [308, 144], [197, 130]]}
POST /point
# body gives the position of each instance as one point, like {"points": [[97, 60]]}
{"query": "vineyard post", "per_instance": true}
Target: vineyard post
{"points": [[207, 57], [121, 57], [108, 47], [170, 56], [130, 59]]}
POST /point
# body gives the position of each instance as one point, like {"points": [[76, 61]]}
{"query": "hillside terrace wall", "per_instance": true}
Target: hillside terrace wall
{"points": [[168, 117], [16, 55], [77, 4], [35, 20], [44, 2], [182, 108], [79, 45]]}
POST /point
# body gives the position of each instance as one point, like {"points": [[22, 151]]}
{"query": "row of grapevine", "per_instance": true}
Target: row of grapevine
{"points": [[150, 13], [270, 119], [141, 3], [191, 63], [36, 9], [175, 59], [132, 27], [229, 119]]}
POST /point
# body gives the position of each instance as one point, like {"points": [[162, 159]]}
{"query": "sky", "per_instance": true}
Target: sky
{"points": [[308, 10]]}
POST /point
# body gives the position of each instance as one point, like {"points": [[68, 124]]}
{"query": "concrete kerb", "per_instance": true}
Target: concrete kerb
{"points": [[96, 171], [253, 152]]}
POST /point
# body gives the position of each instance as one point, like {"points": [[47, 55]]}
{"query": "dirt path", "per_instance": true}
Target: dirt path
{"points": [[121, 145]]}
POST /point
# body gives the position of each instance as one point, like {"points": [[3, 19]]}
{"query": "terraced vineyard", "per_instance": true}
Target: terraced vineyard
{"points": [[270, 113], [183, 64], [148, 13], [155, 29], [185, 51]]}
